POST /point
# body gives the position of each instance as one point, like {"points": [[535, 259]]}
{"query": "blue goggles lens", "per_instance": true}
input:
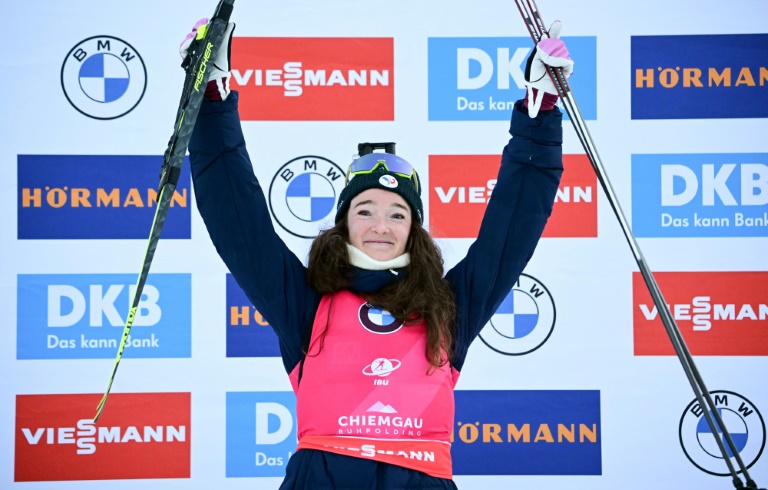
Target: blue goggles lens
{"points": [[370, 162], [393, 163]]}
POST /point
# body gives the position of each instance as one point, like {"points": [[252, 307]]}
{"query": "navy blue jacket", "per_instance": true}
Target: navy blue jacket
{"points": [[232, 204]]}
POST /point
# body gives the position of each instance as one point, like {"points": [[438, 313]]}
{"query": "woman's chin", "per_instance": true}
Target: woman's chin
{"points": [[379, 254]]}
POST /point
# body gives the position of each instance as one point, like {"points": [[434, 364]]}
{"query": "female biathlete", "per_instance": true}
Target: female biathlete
{"points": [[373, 298]]}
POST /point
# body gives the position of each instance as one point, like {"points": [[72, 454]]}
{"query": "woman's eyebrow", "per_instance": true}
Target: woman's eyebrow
{"points": [[369, 201]]}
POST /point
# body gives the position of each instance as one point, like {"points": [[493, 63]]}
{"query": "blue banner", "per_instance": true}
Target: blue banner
{"points": [[82, 316], [700, 195], [248, 333], [96, 196], [480, 78], [261, 433], [527, 433], [699, 77]]}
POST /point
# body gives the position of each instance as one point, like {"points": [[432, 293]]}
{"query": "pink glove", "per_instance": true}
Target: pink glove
{"points": [[551, 51]]}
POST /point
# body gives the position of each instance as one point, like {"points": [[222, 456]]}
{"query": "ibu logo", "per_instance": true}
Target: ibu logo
{"points": [[83, 316], [700, 195], [303, 195], [481, 78], [261, 433]]}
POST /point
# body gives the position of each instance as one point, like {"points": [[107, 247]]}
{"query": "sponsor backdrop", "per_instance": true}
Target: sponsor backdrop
{"points": [[572, 384]]}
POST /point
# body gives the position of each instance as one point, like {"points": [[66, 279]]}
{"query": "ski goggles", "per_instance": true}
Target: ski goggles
{"points": [[369, 163]]}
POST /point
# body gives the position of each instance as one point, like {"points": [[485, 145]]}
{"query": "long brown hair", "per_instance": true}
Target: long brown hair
{"points": [[422, 294]]}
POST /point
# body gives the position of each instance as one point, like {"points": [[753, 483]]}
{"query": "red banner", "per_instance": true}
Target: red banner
{"points": [[139, 435], [314, 79], [718, 313], [460, 186]]}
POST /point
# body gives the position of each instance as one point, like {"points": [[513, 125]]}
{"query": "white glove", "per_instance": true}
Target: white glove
{"points": [[550, 51], [218, 79]]}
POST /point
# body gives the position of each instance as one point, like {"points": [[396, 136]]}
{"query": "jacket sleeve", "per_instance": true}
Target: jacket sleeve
{"points": [[521, 202], [234, 210]]}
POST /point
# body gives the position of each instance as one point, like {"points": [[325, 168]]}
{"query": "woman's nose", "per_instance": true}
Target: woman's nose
{"points": [[380, 225]]}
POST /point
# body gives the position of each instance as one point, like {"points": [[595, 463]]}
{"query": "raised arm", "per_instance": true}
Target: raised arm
{"points": [[232, 204], [235, 212], [520, 205], [531, 167]]}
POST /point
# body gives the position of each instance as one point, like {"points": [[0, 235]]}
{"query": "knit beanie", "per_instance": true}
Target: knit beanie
{"points": [[381, 178]]}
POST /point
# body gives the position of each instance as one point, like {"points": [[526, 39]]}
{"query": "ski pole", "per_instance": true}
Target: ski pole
{"points": [[537, 30], [208, 40]]}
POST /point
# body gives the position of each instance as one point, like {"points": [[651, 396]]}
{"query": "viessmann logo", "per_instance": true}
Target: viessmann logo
{"points": [[96, 196], [458, 198], [719, 313], [139, 435], [314, 79], [692, 77]]}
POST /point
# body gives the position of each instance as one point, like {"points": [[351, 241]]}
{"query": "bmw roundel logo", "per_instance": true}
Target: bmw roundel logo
{"points": [[743, 422], [103, 77], [303, 195], [377, 320], [524, 320]]}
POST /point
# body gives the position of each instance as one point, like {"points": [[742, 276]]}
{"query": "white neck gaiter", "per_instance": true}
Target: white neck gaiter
{"points": [[358, 258]]}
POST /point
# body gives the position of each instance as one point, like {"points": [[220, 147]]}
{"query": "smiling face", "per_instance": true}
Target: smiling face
{"points": [[379, 223]]}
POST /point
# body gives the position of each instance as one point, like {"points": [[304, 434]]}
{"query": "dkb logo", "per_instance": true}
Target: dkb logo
{"points": [[700, 195], [489, 76], [82, 316], [261, 433]]}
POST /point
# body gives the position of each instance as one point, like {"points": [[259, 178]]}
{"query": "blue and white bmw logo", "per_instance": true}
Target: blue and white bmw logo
{"points": [[744, 424], [377, 320], [524, 320], [303, 194], [103, 77]]}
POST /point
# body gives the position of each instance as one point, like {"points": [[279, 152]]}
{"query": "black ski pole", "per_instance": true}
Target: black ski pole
{"points": [[537, 30], [207, 41]]}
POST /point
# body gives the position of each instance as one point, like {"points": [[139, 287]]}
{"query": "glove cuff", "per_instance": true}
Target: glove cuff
{"points": [[217, 89], [547, 103]]}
